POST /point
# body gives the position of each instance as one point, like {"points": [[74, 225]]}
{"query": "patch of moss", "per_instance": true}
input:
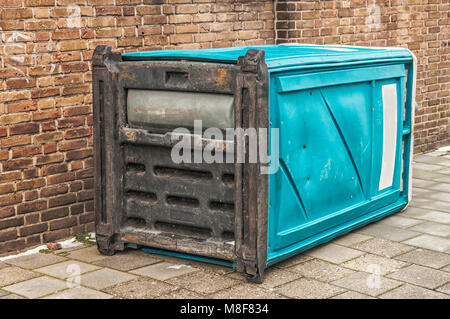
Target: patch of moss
{"points": [[86, 239]]}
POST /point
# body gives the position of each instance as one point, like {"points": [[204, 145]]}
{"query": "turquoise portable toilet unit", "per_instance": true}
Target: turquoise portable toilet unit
{"points": [[339, 123]]}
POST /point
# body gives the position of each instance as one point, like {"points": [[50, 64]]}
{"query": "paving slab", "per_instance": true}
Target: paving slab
{"points": [[334, 253], [438, 205], [439, 196], [441, 187], [103, 278], [181, 293], [429, 242], [421, 276], [352, 295], [246, 291], [3, 265], [305, 288], [427, 214], [433, 228], [140, 288], [408, 291], [67, 269], [387, 232], [89, 254], [127, 260], [400, 221], [204, 283], [12, 275], [35, 260], [163, 271], [368, 284], [422, 183], [425, 257], [12, 296], [79, 293], [274, 277], [294, 260], [37, 287], [374, 264], [383, 247], [3, 293], [445, 289], [351, 239], [320, 270], [446, 268]]}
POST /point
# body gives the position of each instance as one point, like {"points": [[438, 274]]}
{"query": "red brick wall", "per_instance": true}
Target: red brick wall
{"points": [[45, 74], [420, 25], [45, 94]]}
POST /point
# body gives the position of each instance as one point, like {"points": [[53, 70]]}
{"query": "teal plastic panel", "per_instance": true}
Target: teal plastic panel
{"points": [[331, 154]]}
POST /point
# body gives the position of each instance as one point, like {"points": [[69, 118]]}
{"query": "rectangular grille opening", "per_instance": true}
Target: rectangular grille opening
{"points": [[136, 222], [221, 206], [143, 196], [228, 236], [180, 201], [135, 167], [180, 173], [184, 230], [228, 178]]}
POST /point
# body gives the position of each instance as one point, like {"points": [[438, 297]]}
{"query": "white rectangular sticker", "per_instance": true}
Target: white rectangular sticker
{"points": [[389, 93]]}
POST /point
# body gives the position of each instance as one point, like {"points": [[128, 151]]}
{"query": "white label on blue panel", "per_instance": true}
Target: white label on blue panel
{"points": [[389, 93]]}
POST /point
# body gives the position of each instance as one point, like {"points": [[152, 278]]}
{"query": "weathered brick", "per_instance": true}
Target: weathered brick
{"points": [[31, 207], [10, 199], [54, 213], [28, 128], [33, 229], [63, 223], [11, 222], [16, 164]]}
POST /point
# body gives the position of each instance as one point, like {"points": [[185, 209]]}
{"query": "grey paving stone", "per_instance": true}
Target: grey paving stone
{"points": [[387, 232], [246, 291], [441, 187], [88, 254], [400, 221], [433, 228], [12, 296], [445, 289], [320, 270], [422, 192], [3, 293], [3, 265], [294, 260], [351, 239], [37, 287], [426, 214], [274, 277], [422, 183], [127, 260], [368, 284], [208, 267], [67, 269], [430, 242], [408, 291], [374, 264], [437, 205], [305, 288], [203, 283], [35, 260], [140, 288], [164, 270], [383, 247], [334, 253], [427, 167], [444, 178], [79, 293], [426, 257], [352, 295], [11, 275], [421, 276], [181, 293], [100, 279], [446, 268], [439, 196]]}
